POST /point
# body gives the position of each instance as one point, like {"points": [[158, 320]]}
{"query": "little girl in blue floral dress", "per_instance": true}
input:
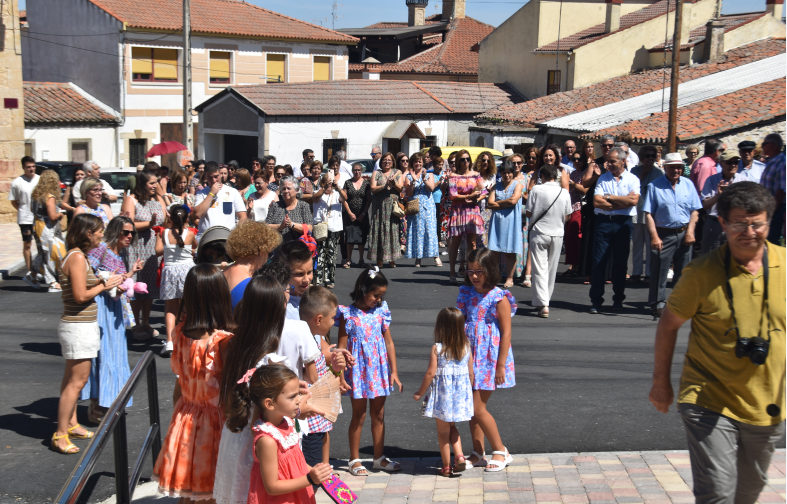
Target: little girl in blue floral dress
{"points": [[488, 311], [364, 331], [449, 398]]}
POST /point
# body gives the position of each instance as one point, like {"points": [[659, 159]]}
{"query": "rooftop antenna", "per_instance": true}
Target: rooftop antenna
{"points": [[315, 21], [334, 15]]}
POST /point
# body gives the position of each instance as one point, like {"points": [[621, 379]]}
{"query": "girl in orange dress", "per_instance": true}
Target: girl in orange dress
{"points": [[279, 474], [186, 464]]}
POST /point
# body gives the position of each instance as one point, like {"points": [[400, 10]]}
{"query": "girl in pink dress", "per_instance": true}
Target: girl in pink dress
{"points": [[280, 474]]}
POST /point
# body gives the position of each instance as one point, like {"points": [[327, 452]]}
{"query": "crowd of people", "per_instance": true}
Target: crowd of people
{"points": [[217, 242]]}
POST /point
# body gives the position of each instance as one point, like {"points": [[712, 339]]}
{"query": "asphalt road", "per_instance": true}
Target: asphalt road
{"points": [[582, 381]]}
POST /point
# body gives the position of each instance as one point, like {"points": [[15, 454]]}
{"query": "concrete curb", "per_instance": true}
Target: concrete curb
{"points": [[14, 267]]}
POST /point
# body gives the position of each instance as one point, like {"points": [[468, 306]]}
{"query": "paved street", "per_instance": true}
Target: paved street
{"points": [[582, 385]]}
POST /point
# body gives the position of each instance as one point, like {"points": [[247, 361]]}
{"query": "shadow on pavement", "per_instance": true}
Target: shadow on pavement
{"points": [[393, 452], [38, 420], [43, 348]]}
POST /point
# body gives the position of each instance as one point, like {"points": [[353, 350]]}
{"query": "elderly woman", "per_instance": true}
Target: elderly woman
{"points": [[78, 330], [110, 370], [386, 185], [289, 216], [143, 208], [259, 201], [505, 224], [46, 200], [248, 245], [421, 227], [465, 187], [90, 191], [328, 211], [357, 198], [180, 194], [548, 207]]}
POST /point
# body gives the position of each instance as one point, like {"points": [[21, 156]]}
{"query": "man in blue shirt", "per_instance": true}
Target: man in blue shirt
{"points": [[615, 201], [569, 148], [748, 166], [671, 211]]}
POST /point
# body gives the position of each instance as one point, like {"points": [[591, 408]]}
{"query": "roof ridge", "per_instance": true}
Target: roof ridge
{"points": [[286, 17], [438, 100]]}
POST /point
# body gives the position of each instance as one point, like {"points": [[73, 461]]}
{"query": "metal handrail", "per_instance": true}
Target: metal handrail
{"points": [[114, 422]]}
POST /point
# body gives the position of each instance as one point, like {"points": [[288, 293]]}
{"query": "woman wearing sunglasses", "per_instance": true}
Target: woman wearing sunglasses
{"points": [[465, 187], [110, 370]]}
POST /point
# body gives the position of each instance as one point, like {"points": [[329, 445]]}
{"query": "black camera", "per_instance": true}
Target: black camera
{"points": [[756, 349]]}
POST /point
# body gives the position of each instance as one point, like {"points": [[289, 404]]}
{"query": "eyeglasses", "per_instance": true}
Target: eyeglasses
{"points": [[518, 163], [288, 289], [129, 233], [309, 157], [280, 174], [464, 159], [357, 171], [722, 150], [607, 146], [532, 158], [405, 160], [474, 272], [740, 227]]}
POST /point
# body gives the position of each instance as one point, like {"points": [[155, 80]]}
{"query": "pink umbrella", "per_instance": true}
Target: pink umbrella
{"points": [[165, 148]]}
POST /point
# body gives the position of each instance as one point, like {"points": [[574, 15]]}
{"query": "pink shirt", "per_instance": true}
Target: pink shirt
{"points": [[702, 168]]}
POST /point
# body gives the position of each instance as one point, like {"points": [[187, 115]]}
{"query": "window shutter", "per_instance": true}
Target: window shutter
{"points": [[275, 70], [219, 65], [141, 60], [165, 64], [322, 68]]}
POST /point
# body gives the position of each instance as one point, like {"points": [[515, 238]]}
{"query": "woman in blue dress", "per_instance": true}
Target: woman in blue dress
{"points": [[421, 227], [505, 225], [110, 370]]}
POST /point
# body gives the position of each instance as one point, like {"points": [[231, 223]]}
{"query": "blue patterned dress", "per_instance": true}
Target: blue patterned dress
{"points": [[450, 396], [483, 331], [370, 377], [505, 225], [422, 227], [110, 370]]}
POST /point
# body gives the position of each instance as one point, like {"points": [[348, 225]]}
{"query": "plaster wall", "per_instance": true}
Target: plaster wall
{"points": [[498, 141], [102, 143], [764, 27]]}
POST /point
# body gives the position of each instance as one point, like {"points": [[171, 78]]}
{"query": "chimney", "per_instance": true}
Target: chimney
{"points": [[371, 69], [453, 9], [714, 40], [416, 12], [775, 8], [612, 22]]}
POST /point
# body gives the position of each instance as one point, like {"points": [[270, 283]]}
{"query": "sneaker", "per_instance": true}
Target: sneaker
{"points": [[166, 351], [29, 280], [670, 274], [54, 290], [594, 310]]}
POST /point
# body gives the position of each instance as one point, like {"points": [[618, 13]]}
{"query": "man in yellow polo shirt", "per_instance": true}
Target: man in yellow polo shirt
{"points": [[732, 387]]}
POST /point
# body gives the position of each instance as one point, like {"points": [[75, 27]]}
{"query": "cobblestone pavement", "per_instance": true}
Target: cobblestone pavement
{"points": [[10, 246]]}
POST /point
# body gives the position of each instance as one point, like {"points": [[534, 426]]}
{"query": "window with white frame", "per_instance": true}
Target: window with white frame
{"points": [[275, 67], [220, 67], [322, 68]]}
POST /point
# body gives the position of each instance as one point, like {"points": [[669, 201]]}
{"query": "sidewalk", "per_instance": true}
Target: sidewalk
{"points": [[11, 250], [562, 478]]}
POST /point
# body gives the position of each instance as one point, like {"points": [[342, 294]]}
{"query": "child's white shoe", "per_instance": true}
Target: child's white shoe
{"points": [[390, 467], [498, 465], [481, 460]]}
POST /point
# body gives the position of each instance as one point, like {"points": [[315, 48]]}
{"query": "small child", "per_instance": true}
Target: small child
{"points": [[488, 311], [328, 210], [177, 244], [279, 473], [187, 462], [298, 257], [364, 331], [450, 397], [318, 309]]}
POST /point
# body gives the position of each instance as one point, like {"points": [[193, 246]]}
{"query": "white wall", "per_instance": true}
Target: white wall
{"points": [[214, 147], [55, 140]]}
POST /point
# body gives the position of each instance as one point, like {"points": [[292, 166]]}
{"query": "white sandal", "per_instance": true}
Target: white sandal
{"points": [[391, 467], [481, 460], [493, 465], [356, 470]]}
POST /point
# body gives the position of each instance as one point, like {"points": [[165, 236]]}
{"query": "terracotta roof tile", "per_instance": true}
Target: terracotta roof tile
{"points": [[59, 102], [731, 21], [230, 17], [380, 97], [561, 104], [741, 108], [596, 32], [454, 56]]}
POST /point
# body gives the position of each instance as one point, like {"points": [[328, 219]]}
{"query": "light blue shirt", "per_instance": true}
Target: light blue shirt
{"points": [[608, 185], [293, 306], [568, 162], [753, 174], [712, 183], [671, 208]]}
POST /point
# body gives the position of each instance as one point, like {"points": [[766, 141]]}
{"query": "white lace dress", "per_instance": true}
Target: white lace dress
{"points": [[234, 461]]}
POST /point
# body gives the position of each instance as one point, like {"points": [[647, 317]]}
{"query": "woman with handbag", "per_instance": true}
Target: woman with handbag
{"points": [[357, 198], [327, 229], [289, 216], [385, 214], [420, 211]]}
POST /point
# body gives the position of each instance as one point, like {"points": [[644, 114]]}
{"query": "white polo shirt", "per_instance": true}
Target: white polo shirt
{"points": [[222, 212]]}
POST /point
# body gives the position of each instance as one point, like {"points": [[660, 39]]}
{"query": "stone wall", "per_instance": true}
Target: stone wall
{"points": [[755, 133], [12, 125]]}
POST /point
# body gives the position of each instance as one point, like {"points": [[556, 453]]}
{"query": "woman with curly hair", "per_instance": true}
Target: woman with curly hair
{"points": [[46, 210], [248, 245], [487, 169]]}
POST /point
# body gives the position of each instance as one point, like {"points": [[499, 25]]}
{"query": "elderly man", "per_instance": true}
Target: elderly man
{"points": [[217, 204], [377, 153], [569, 148], [345, 169], [712, 234], [647, 172], [731, 394], [748, 166], [308, 157], [615, 200], [705, 166], [670, 209], [773, 180], [93, 170], [632, 159], [692, 152]]}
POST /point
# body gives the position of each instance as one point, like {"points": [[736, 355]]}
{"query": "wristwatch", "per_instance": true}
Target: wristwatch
{"points": [[606, 197]]}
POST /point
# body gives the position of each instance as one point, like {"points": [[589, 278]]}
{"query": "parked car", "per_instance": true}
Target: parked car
{"points": [[368, 166], [64, 169], [117, 177]]}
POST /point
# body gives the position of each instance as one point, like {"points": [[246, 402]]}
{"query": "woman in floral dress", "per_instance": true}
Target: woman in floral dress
{"points": [[445, 202], [383, 243], [146, 212], [465, 187], [422, 227], [485, 166]]}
